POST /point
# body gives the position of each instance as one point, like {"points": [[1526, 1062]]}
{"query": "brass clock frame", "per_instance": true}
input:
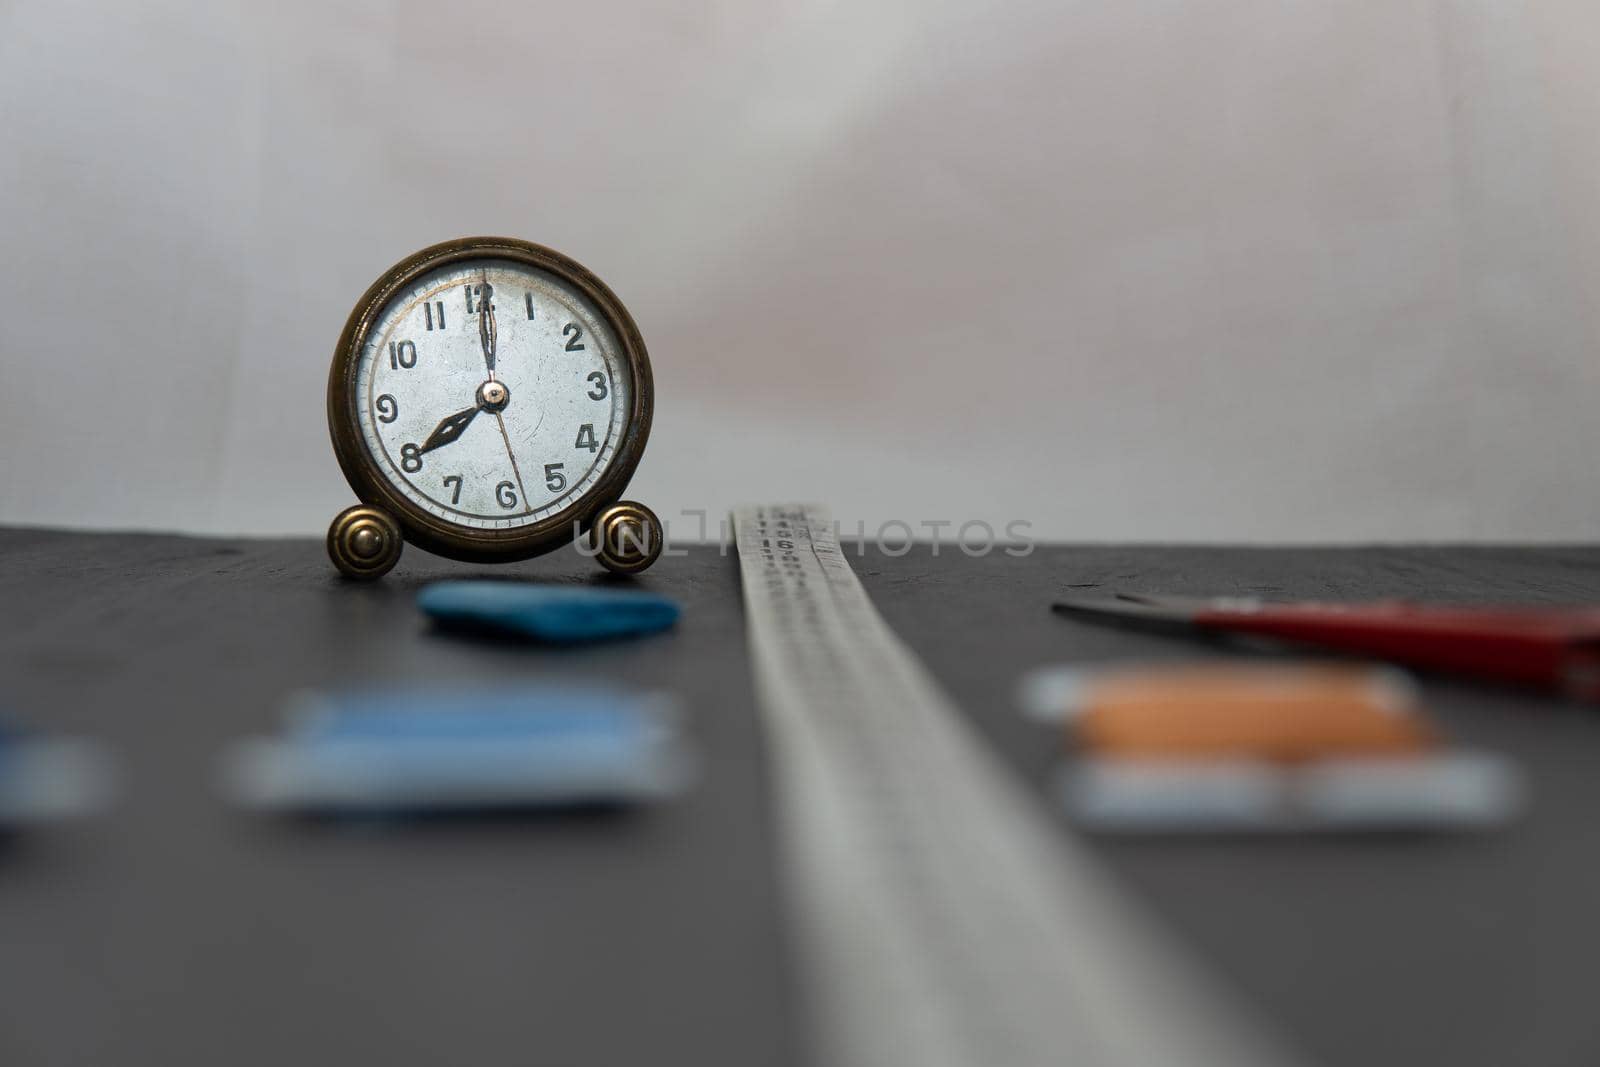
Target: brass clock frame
{"points": [[429, 532]]}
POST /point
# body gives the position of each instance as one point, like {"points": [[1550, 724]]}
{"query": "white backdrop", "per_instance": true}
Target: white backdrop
{"points": [[1151, 270]]}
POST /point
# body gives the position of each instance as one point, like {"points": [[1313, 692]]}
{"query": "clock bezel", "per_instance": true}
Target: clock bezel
{"points": [[430, 532]]}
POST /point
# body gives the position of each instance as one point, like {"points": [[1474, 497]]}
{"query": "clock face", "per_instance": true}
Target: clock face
{"points": [[492, 394]]}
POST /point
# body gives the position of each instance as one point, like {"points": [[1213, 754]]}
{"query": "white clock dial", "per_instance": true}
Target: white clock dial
{"points": [[492, 394]]}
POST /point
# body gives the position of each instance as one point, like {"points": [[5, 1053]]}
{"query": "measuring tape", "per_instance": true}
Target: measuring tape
{"points": [[943, 920]]}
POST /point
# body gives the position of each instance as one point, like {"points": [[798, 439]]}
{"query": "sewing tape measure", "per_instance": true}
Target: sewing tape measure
{"points": [[942, 919]]}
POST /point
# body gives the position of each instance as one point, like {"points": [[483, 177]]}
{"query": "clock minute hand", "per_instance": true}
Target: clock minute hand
{"points": [[449, 428], [486, 328]]}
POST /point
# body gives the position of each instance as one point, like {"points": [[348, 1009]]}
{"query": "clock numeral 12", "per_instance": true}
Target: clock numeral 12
{"points": [[485, 290]]}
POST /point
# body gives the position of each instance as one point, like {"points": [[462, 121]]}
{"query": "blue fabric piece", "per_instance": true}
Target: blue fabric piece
{"points": [[444, 713], [469, 747], [522, 731], [560, 614]]}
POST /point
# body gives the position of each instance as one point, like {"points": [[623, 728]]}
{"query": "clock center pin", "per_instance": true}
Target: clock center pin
{"points": [[493, 396]]}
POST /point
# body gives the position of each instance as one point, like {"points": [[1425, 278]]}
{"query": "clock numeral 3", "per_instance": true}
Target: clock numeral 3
{"points": [[388, 408], [554, 480], [402, 354], [506, 494], [410, 458], [574, 335], [586, 438], [599, 391]]}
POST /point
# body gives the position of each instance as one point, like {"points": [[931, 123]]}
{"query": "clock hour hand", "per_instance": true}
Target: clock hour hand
{"points": [[449, 428]]}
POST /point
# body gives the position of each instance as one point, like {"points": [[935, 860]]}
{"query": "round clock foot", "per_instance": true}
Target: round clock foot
{"points": [[364, 542], [626, 537]]}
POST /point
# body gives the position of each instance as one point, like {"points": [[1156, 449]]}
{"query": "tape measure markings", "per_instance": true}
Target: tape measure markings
{"points": [[943, 920]]}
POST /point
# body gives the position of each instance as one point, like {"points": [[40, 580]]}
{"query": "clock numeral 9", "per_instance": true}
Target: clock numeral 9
{"points": [[402, 354], [410, 458], [586, 438], [554, 480], [599, 391], [388, 408], [574, 335], [506, 494]]}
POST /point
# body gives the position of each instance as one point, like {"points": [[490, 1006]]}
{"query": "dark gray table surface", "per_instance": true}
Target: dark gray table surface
{"points": [[175, 930]]}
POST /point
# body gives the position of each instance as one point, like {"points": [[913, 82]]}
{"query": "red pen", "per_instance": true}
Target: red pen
{"points": [[1552, 648]]}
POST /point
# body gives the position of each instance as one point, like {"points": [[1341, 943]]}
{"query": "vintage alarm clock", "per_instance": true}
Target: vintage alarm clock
{"points": [[489, 400]]}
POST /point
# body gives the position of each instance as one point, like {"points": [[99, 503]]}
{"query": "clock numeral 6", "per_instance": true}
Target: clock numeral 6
{"points": [[586, 438], [402, 354], [574, 335], [599, 390], [410, 458], [455, 498], [554, 480], [388, 408], [506, 494]]}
